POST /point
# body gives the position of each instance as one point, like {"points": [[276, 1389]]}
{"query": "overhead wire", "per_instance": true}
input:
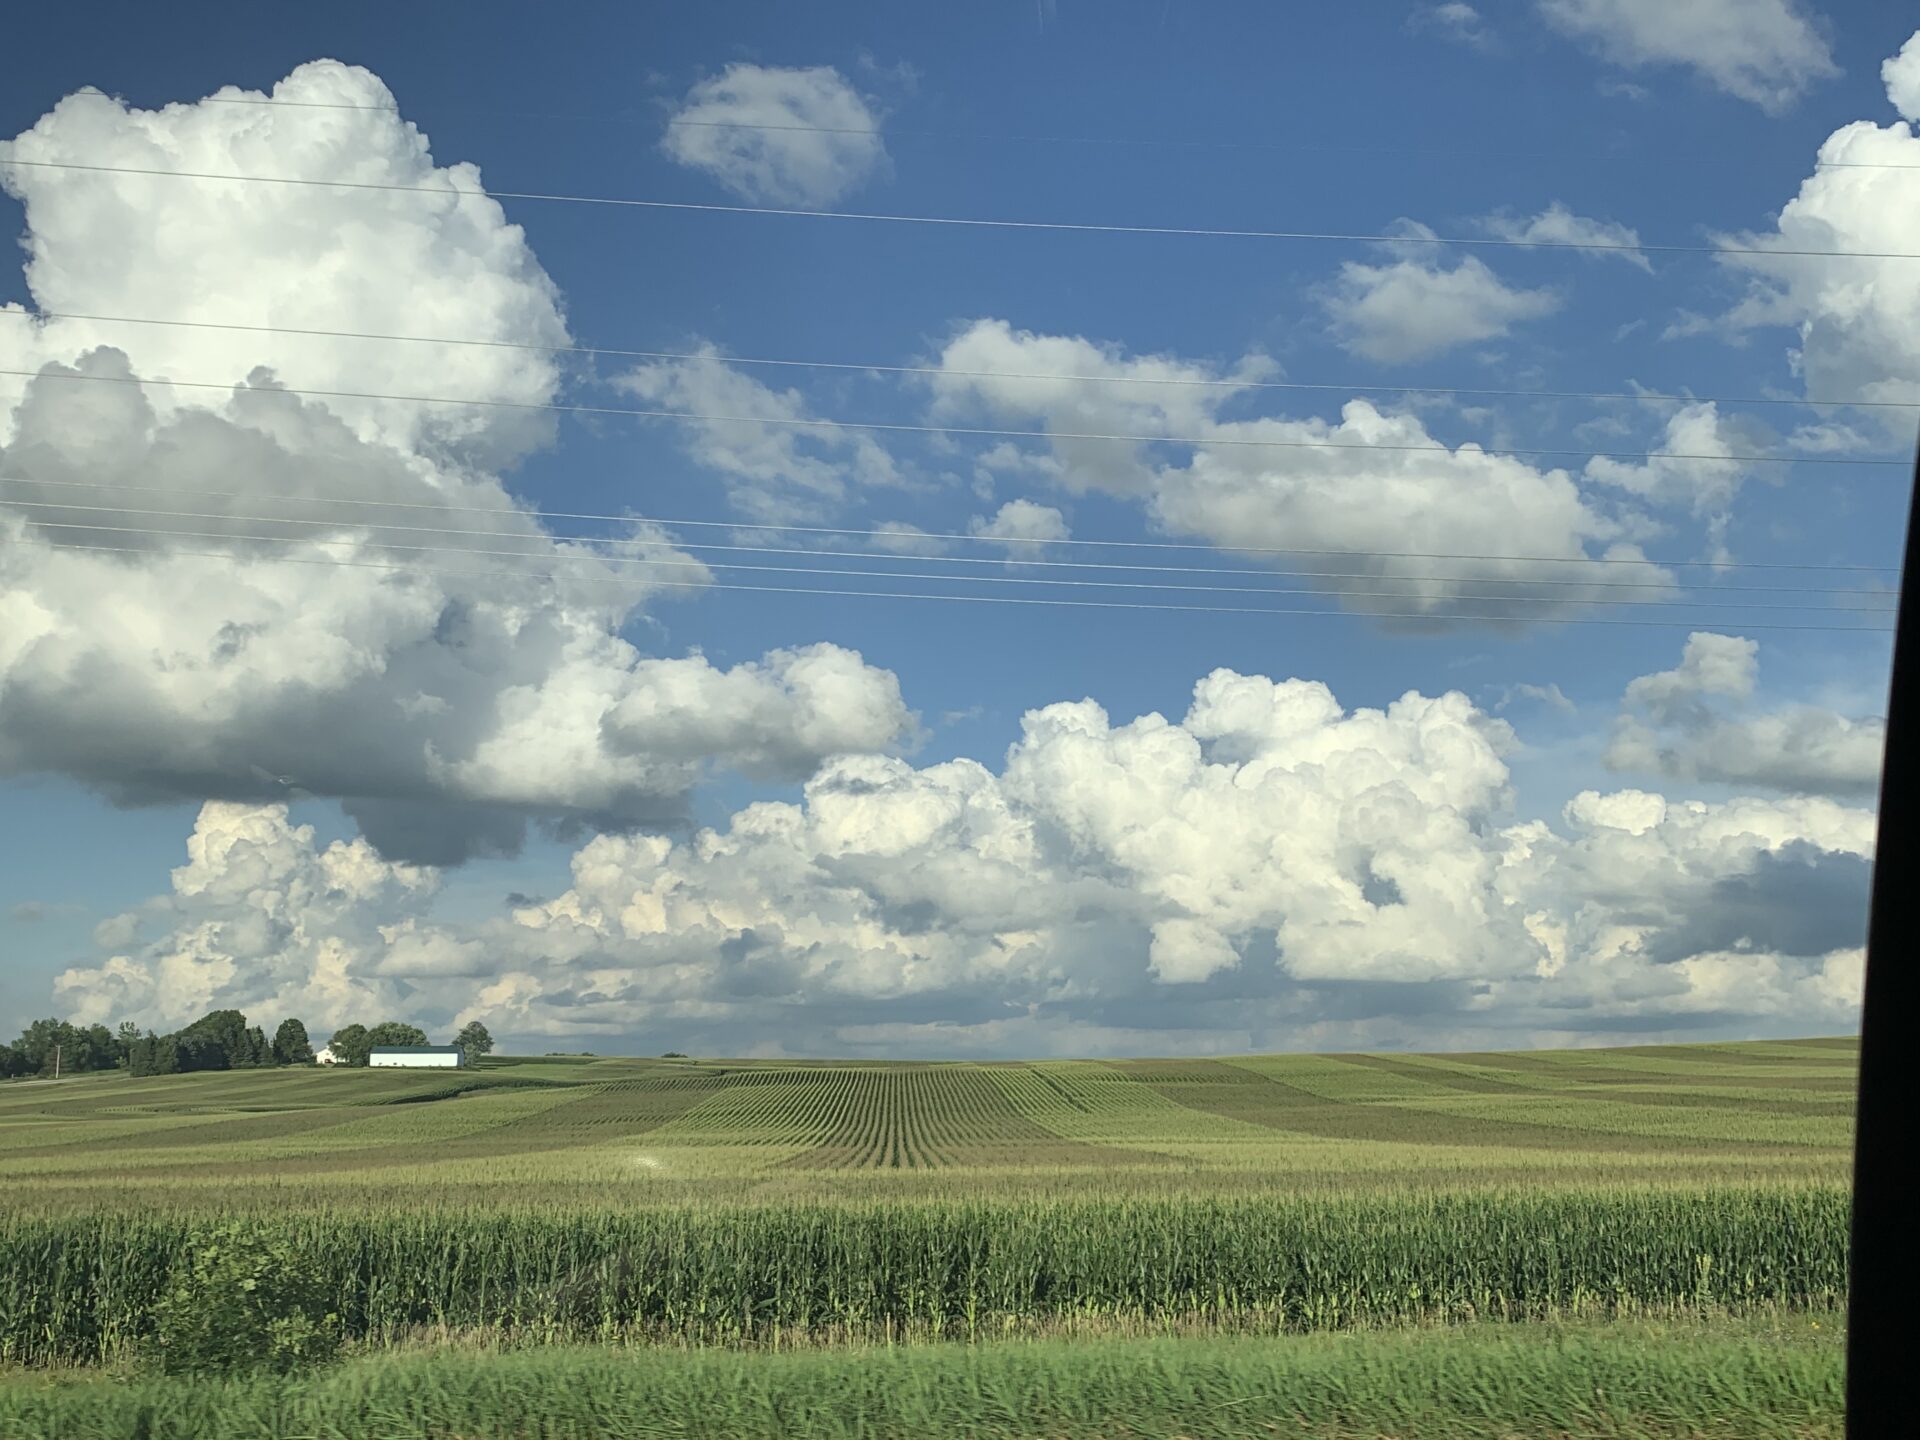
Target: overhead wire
{"points": [[1133, 567], [1530, 606], [951, 372], [652, 562], [675, 122], [978, 222], [896, 534], [1452, 617], [837, 425], [977, 431]]}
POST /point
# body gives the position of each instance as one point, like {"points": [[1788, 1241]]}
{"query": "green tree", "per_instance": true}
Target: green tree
{"points": [[92, 1048], [38, 1042], [123, 1041], [290, 1043], [12, 1062], [259, 1048], [473, 1040], [197, 1050], [98, 1050], [218, 1040], [395, 1032], [154, 1054], [350, 1044]]}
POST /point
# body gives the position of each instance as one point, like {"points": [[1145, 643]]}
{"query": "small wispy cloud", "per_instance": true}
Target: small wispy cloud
{"points": [[1557, 225], [897, 537], [1453, 20], [1506, 696], [1617, 89]]}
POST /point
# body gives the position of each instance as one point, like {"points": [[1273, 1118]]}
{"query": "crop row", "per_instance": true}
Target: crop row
{"points": [[914, 1118], [82, 1288]]}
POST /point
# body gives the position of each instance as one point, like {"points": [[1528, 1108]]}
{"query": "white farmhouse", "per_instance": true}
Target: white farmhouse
{"points": [[429, 1056], [325, 1056]]}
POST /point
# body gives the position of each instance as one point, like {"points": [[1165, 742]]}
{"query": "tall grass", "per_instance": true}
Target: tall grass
{"points": [[82, 1288], [1629, 1382]]}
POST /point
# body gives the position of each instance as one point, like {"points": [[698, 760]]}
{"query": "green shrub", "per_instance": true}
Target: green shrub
{"points": [[243, 1298]]}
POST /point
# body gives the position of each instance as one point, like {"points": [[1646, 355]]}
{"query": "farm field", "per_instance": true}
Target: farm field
{"points": [[668, 1210], [614, 1133]]}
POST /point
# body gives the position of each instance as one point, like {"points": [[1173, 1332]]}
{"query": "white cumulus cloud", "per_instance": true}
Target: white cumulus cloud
{"points": [[289, 255], [1901, 73], [1021, 525], [779, 136], [1768, 52], [1856, 317], [260, 914], [1685, 470], [279, 638], [1418, 306], [1369, 484], [1695, 722]]}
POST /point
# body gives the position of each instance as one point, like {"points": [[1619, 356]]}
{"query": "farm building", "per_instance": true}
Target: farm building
{"points": [[325, 1056], [416, 1055]]}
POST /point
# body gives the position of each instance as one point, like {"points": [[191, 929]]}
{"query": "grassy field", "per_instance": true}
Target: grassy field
{"points": [[534, 1204], [1632, 1381]]}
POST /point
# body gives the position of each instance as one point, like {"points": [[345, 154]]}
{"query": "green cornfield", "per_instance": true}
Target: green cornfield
{"points": [[82, 1289]]}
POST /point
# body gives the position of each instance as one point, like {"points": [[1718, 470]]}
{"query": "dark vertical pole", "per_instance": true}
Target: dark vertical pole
{"points": [[1880, 1356]]}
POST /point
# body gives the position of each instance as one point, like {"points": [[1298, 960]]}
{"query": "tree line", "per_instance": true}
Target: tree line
{"points": [[218, 1040]]}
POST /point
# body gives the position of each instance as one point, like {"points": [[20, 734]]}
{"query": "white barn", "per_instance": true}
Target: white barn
{"points": [[430, 1056]]}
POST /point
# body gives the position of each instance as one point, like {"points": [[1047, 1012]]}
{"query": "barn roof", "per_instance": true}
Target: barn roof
{"points": [[414, 1050]]}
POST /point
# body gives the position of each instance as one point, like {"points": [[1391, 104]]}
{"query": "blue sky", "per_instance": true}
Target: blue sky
{"points": [[1363, 121]]}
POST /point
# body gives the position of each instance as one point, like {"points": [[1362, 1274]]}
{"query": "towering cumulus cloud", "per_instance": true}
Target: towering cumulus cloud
{"points": [[1270, 870], [277, 637]]}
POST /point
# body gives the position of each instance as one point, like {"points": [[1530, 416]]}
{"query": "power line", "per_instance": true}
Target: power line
{"points": [[1434, 616], [977, 431], [678, 544], [650, 563], [940, 371], [978, 222], [967, 579], [736, 525], [893, 131]]}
